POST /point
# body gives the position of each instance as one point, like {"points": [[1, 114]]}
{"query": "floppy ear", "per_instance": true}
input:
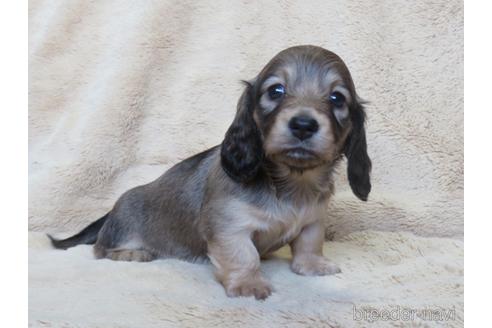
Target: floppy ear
{"points": [[242, 149], [359, 163]]}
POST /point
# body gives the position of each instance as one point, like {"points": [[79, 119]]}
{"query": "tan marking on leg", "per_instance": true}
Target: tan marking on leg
{"points": [[237, 265], [134, 255], [307, 253], [99, 251]]}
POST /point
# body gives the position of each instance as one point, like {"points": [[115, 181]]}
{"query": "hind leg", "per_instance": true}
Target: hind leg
{"points": [[127, 252], [135, 255], [124, 254], [121, 242]]}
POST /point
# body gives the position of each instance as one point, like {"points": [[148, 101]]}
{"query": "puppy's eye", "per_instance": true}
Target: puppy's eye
{"points": [[337, 99], [276, 91]]}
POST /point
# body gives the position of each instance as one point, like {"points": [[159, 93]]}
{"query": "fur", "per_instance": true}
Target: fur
{"points": [[262, 188]]}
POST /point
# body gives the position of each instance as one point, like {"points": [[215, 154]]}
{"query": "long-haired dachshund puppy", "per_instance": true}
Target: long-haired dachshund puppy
{"points": [[265, 186]]}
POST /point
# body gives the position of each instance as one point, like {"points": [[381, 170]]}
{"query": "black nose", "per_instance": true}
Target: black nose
{"points": [[303, 127]]}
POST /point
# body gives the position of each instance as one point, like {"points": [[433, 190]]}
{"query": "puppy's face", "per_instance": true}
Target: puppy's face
{"points": [[302, 107], [301, 111]]}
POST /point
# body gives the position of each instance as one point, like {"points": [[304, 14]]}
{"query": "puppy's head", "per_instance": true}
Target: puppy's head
{"points": [[301, 111]]}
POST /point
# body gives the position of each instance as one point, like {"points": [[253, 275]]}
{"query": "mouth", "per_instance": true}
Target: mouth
{"points": [[300, 158], [300, 154]]}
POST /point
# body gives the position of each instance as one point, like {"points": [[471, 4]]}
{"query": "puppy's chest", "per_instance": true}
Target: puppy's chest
{"points": [[281, 223]]}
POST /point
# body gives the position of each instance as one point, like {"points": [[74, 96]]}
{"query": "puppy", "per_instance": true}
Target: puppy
{"points": [[265, 186]]}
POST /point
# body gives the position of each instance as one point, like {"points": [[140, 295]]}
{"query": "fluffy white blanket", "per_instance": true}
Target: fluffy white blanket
{"points": [[121, 90]]}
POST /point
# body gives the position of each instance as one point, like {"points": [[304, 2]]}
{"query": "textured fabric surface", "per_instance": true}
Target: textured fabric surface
{"points": [[119, 91], [381, 271]]}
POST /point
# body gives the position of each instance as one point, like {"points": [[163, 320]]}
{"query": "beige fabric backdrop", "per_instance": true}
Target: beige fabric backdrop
{"points": [[121, 90]]}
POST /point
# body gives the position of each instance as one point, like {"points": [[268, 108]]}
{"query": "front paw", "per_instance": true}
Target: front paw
{"points": [[257, 287], [314, 265]]}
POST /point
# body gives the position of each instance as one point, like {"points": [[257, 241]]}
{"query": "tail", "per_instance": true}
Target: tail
{"points": [[87, 236]]}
